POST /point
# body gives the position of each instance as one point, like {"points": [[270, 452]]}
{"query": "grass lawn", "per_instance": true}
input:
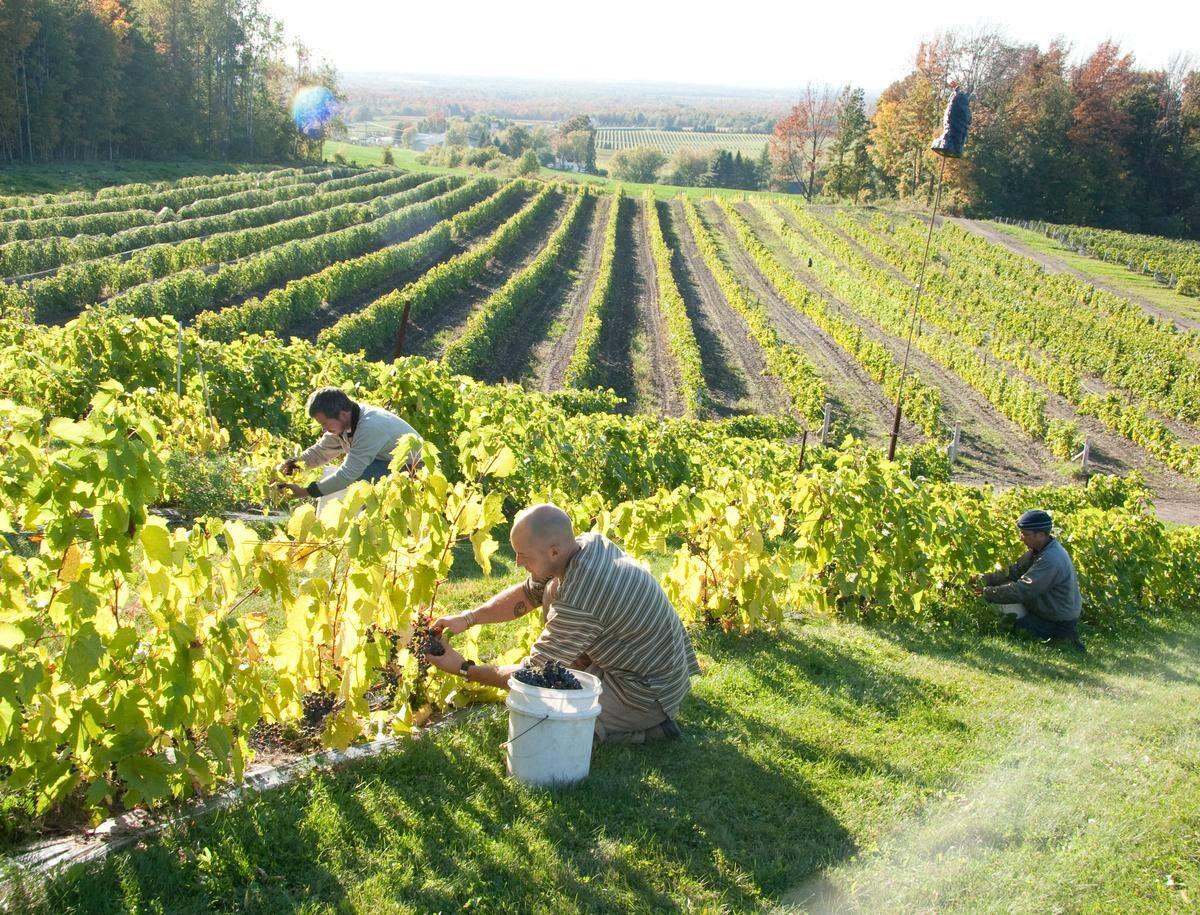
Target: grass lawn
{"points": [[827, 767], [1114, 274]]}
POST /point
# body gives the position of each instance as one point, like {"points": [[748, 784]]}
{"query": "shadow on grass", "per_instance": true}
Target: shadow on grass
{"points": [[1165, 643], [439, 826], [730, 817]]}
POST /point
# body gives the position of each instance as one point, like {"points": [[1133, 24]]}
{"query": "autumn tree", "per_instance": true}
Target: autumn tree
{"points": [[800, 138], [89, 78]]}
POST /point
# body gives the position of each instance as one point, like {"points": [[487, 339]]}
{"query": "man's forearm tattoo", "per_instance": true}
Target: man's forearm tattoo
{"points": [[520, 609]]}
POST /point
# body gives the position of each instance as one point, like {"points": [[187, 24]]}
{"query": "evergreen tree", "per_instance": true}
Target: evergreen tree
{"points": [[849, 164]]}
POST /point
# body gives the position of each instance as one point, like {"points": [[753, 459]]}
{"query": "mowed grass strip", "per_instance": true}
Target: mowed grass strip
{"points": [[829, 766], [1116, 276]]}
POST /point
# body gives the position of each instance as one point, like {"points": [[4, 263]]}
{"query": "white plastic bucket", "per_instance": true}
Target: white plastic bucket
{"points": [[550, 731]]}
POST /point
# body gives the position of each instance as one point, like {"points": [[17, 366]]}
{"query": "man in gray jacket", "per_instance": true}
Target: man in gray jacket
{"points": [[1040, 589], [366, 435]]}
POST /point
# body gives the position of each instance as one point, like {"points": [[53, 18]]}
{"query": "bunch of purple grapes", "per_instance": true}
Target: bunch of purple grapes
{"points": [[551, 675]]}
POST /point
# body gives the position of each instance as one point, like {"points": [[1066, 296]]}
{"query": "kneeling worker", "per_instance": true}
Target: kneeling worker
{"points": [[366, 435], [605, 614], [1040, 589]]}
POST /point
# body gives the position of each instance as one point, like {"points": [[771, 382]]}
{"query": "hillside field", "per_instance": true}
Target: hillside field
{"points": [[710, 381]]}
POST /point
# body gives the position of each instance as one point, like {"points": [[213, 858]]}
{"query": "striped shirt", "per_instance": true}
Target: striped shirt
{"points": [[611, 609]]}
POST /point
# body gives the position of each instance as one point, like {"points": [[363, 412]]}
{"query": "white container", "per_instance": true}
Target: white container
{"points": [[550, 731]]}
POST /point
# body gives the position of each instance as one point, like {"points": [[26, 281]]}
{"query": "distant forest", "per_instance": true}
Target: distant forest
{"points": [[147, 79]]}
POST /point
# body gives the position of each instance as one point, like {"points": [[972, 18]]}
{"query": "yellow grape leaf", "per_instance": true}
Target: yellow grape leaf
{"points": [[242, 542], [11, 635], [504, 463], [301, 522], [71, 432], [69, 570], [484, 547], [472, 515], [156, 540]]}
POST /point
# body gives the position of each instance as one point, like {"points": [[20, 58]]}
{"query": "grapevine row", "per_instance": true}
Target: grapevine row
{"points": [[497, 315], [922, 403], [373, 329], [1014, 329], [119, 220], [302, 299], [886, 300], [27, 257], [1173, 262], [22, 207], [583, 370], [680, 333], [788, 363], [192, 291], [1093, 330], [92, 281]]}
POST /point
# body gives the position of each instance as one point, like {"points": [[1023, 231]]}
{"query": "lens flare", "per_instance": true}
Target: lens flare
{"points": [[313, 107]]}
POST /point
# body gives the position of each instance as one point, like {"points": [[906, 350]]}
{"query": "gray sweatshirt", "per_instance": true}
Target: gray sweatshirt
{"points": [[372, 436], [1043, 582]]}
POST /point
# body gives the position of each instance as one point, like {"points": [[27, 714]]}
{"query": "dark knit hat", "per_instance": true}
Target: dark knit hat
{"points": [[1035, 520]]}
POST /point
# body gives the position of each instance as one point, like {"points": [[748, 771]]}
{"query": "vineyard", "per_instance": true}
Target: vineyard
{"points": [[1172, 262], [711, 383], [668, 142]]}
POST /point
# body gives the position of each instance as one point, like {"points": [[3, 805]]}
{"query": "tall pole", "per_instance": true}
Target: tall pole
{"points": [[915, 311], [948, 145]]}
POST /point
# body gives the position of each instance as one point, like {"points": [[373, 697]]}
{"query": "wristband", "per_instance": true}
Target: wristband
{"points": [[469, 618], [464, 668]]}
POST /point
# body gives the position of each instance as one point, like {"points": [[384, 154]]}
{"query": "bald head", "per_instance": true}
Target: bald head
{"points": [[543, 526], [543, 539]]}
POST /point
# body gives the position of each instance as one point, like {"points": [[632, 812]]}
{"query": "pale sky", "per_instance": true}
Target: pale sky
{"points": [[735, 43]]}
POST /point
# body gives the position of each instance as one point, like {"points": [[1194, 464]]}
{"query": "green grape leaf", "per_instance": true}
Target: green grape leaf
{"points": [[83, 654]]}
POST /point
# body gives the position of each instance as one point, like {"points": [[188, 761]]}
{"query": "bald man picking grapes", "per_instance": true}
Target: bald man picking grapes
{"points": [[605, 613]]}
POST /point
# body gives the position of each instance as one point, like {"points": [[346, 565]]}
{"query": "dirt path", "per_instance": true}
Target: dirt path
{"points": [[860, 405], [428, 335], [734, 366], [1056, 265], [656, 375], [993, 449], [552, 356]]}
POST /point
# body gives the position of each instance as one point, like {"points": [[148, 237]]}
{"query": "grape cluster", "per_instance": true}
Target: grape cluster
{"points": [[551, 675], [424, 642], [316, 706], [433, 645], [265, 736]]}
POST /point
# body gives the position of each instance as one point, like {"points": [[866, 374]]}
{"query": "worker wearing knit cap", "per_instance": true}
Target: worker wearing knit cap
{"points": [[1040, 589]]}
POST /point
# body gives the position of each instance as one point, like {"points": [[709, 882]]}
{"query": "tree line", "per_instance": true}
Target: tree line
{"points": [[1097, 141], [85, 79]]}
